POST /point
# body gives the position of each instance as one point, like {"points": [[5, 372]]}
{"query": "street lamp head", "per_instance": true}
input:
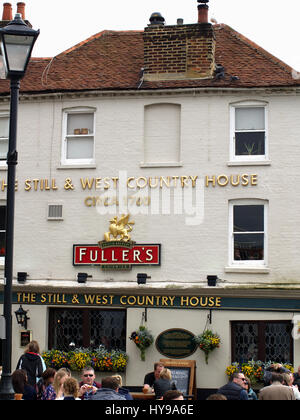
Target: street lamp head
{"points": [[17, 41]]}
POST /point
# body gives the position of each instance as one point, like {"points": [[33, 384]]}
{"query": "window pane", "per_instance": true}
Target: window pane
{"points": [[248, 218], [108, 329], [248, 246], [80, 148], [67, 329], [4, 127], [245, 340], [250, 118], [267, 341], [277, 338], [82, 122], [89, 328], [251, 143], [3, 149]]}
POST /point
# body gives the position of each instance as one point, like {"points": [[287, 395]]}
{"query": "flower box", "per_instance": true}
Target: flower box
{"points": [[100, 359]]}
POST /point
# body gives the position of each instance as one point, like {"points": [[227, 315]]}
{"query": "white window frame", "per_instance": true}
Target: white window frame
{"points": [[4, 114], [248, 158], [66, 113], [248, 263]]}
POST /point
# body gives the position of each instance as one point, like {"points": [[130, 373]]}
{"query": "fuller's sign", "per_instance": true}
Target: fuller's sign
{"points": [[116, 255], [117, 251]]}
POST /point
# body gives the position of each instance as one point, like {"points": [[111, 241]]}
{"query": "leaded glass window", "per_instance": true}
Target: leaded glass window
{"points": [[262, 340], [87, 328]]}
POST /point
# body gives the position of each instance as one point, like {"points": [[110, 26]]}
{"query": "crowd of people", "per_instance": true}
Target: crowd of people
{"points": [[33, 381], [279, 384]]}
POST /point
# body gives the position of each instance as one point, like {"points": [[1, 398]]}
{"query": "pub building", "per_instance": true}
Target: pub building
{"points": [[157, 185]]}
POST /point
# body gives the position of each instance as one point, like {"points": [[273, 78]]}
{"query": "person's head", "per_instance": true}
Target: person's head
{"points": [[19, 379], [173, 394], [165, 374], [158, 367], [88, 375], [214, 397], [71, 387], [110, 382], [298, 370], [48, 376], [288, 378], [33, 347], [60, 377], [277, 377], [277, 368], [247, 384], [119, 379], [238, 378]]}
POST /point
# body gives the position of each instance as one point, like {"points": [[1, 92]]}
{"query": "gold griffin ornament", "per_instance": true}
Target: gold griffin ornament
{"points": [[119, 229]]}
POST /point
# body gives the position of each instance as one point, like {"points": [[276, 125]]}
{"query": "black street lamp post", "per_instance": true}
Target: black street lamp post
{"points": [[17, 41]]}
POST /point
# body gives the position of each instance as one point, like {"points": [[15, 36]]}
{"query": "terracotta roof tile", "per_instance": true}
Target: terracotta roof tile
{"points": [[112, 60]]}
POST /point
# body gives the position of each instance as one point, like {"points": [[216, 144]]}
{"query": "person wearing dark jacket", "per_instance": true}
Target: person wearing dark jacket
{"points": [[108, 391], [20, 385], [31, 362], [123, 391], [236, 387], [163, 384]]}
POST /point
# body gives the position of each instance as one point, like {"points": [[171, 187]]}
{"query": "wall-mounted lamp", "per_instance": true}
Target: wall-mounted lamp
{"points": [[142, 278], [212, 281], [82, 277], [22, 317], [22, 277]]}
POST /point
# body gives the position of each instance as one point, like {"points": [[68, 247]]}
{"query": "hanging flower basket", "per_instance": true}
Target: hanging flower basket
{"points": [[142, 339], [207, 341]]}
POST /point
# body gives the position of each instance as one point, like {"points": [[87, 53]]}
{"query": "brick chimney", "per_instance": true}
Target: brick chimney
{"points": [[7, 12], [178, 52], [202, 12], [21, 9]]}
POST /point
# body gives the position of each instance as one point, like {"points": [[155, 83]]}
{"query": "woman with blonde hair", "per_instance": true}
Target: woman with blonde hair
{"points": [[123, 391], [55, 391], [163, 384], [71, 389]]}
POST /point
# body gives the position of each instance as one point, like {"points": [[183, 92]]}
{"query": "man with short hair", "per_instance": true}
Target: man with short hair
{"points": [[152, 376], [173, 394], [236, 387], [108, 391], [88, 385], [276, 391]]}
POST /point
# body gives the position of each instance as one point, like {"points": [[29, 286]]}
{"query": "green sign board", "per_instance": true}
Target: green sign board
{"points": [[176, 343]]}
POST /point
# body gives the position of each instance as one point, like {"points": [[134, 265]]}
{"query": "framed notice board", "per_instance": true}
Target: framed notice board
{"points": [[183, 375]]}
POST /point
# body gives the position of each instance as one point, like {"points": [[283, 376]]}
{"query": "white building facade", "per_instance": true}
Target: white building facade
{"points": [[208, 173]]}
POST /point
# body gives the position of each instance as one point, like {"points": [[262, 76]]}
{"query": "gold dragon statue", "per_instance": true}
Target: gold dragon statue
{"points": [[119, 229]]}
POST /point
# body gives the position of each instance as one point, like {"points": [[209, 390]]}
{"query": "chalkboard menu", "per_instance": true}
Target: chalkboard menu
{"points": [[183, 374]]}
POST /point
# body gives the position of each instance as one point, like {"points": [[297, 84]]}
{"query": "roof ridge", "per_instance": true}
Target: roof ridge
{"points": [[93, 37], [257, 48], [80, 44]]}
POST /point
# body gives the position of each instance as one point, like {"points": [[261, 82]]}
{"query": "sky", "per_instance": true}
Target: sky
{"points": [[272, 24]]}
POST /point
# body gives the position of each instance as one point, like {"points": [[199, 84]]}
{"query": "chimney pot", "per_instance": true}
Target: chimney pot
{"points": [[179, 21], [157, 19], [21, 9], [202, 12], [7, 12]]}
